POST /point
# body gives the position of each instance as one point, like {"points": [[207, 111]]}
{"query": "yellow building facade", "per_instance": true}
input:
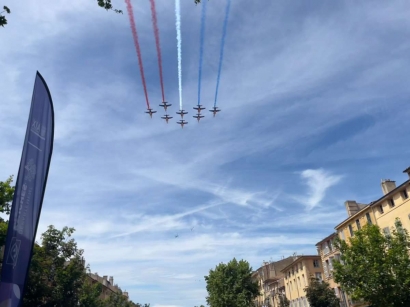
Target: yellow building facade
{"points": [[328, 253], [393, 204], [298, 276], [270, 280]]}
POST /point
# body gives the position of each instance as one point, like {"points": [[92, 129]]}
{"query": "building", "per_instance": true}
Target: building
{"points": [[270, 280], [328, 253], [393, 204], [298, 275], [109, 287]]}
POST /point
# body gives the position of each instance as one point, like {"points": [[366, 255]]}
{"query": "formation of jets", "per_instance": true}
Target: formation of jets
{"points": [[198, 116]]}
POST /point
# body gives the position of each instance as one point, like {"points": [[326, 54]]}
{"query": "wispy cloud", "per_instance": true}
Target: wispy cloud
{"points": [[317, 91], [318, 182]]}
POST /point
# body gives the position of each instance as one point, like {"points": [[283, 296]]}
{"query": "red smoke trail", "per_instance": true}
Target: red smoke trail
{"points": [[137, 47], [156, 32]]}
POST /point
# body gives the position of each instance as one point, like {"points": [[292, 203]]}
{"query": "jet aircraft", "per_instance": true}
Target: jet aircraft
{"points": [[182, 123], [198, 117], [165, 105], [214, 110], [199, 108], [150, 112], [182, 113], [166, 117]]}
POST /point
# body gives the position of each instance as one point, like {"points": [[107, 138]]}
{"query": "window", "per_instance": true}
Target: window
{"points": [[318, 276], [325, 248], [358, 224], [386, 231], [381, 209], [342, 234], [329, 243], [351, 230], [331, 263], [316, 264], [405, 194], [303, 278], [369, 219], [391, 202]]}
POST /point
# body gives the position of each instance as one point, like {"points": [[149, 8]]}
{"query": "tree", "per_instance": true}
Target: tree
{"points": [[231, 285], [90, 295], [283, 301], [376, 267], [319, 294], [6, 195], [6, 199], [57, 273], [119, 300], [3, 19], [106, 4]]}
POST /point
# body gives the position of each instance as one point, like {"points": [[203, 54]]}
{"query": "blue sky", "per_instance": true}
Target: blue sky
{"points": [[314, 100]]}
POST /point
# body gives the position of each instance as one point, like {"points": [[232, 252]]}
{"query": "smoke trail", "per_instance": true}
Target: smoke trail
{"points": [[157, 42], [201, 48], [221, 55], [137, 47], [178, 28]]}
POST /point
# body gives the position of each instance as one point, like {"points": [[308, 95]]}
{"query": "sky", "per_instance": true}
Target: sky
{"points": [[314, 98]]}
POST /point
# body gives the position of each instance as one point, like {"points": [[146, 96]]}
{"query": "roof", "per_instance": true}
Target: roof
{"points": [[353, 216], [327, 238], [407, 170], [373, 203], [298, 259], [376, 202]]}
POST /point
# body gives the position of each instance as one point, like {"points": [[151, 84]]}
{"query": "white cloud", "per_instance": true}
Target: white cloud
{"points": [[318, 182]]}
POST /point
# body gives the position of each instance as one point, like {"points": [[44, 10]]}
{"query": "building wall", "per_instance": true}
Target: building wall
{"points": [[355, 222], [297, 277], [401, 210], [328, 253]]}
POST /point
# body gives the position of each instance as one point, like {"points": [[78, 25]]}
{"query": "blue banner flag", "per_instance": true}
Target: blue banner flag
{"points": [[28, 196]]}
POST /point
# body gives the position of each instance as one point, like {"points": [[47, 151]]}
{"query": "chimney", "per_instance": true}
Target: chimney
{"points": [[352, 207], [105, 280], [112, 280], [407, 170], [388, 186]]}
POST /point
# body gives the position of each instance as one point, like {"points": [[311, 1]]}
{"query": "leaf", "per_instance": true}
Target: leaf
{"points": [[6, 9]]}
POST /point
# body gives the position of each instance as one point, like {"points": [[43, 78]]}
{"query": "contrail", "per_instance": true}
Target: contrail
{"points": [[201, 48], [137, 47], [221, 55], [157, 42], [178, 28]]}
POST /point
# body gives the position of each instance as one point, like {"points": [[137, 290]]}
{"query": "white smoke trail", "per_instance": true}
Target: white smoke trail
{"points": [[178, 27]]}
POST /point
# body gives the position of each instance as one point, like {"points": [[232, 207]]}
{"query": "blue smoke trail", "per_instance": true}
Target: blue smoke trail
{"points": [[221, 56], [201, 48], [178, 28]]}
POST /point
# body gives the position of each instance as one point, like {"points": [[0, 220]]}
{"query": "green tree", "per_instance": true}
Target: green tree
{"points": [[3, 19], [89, 295], [6, 195], [231, 285], [119, 300], [376, 268], [283, 301], [57, 273], [319, 294], [6, 198]]}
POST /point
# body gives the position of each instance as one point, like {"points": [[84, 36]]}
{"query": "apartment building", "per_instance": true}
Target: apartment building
{"points": [[109, 287], [271, 283], [328, 253], [394, 204], [298, 276]]}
